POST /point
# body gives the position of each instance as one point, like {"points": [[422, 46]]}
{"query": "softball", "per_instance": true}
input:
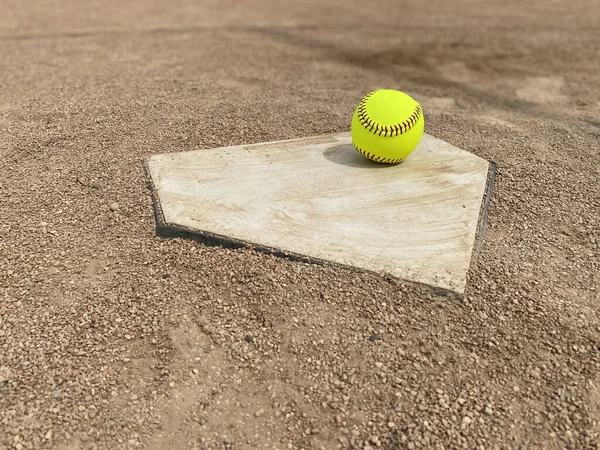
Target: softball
{"points": [[387, 126]]}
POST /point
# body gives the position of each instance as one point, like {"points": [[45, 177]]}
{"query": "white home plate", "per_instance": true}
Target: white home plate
{"points": [[318, 198]]}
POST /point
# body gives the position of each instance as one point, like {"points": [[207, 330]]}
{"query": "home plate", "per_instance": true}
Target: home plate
{"points": [[318, 199]]}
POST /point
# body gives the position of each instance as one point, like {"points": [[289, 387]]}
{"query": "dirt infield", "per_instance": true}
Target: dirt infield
{"points": [[114, 338]]}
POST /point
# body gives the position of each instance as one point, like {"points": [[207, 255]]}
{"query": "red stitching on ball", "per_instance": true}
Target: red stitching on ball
{"points": [[387, 131], [377, 158]]}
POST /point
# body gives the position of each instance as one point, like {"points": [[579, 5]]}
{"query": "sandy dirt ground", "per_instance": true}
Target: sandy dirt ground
{"points": [[114, 338]]}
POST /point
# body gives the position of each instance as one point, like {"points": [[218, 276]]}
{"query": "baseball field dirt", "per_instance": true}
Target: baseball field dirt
{"points": [[112, 337]]}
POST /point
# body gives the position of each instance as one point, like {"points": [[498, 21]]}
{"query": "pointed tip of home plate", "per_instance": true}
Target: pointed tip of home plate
{"points": [[317, 198]]}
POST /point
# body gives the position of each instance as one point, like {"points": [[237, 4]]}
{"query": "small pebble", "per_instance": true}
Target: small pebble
{"points": [[114, 206]]}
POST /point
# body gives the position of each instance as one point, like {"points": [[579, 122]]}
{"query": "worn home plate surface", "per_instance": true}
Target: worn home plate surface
{"points": [[318, 198]]}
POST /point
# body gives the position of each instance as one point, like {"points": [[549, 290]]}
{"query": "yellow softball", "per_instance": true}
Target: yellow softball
{"points": [[387, 126]]}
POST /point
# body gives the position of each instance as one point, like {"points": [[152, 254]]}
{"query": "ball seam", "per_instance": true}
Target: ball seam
{"points": [[375, 157], [386, 130]]}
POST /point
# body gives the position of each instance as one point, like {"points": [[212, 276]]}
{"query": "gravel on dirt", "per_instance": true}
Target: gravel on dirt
{"points": [[114, 338]]}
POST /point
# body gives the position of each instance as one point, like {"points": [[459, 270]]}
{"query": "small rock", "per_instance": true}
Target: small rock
{"points": [[488, 410], [466, 420], [249, 338], [202, 421], [391, 425], [114, 206], [374, 337], [5, 374], [260, 412], [95, 185], [48, 435]]}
